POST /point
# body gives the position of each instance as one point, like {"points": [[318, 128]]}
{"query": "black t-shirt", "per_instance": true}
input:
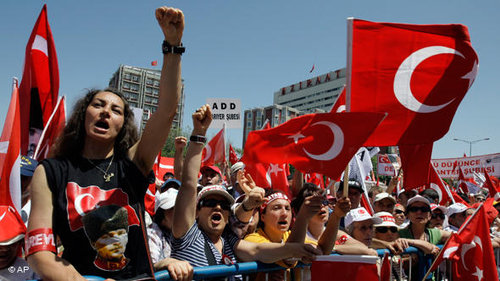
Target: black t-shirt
{"points": [[100, 223]]}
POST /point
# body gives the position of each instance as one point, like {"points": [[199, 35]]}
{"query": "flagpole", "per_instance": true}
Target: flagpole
{"points": [[346, 181], [458, 233], [56, 108]]}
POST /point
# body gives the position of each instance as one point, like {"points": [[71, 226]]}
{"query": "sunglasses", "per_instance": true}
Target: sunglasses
{"points": [[423, 209], [384, 229], [435, 216], [211, 203], [397, 211]]}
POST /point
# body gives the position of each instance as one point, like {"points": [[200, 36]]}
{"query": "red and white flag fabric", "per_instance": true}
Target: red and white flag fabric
{"points": [[269, 175], [54, 127], [233, 157], [40, 83], [10, 146], [416, 73], [437, 184], [321, 143], [215, 150], [315, 178], [468, 185], [339, 105], [385, 269], [344, 267], [459, 199], [149, 197], [492, 187], [470, 250]]}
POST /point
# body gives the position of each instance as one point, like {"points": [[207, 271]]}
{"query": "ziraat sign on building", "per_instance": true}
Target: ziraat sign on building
{"points": [[225, 111], [446, 168], [311, 82]]}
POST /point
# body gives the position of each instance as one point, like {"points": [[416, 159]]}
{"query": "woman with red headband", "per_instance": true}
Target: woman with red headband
{"points": [[276, 219]]}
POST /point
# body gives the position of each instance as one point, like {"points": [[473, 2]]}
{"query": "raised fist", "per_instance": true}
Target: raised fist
{"points": [[171, 21]]}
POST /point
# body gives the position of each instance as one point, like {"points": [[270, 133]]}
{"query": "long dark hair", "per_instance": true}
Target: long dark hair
{"points": [[71, 141]]}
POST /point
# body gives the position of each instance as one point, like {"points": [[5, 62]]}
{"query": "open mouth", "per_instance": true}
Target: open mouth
{"points": [[102, 125], [283, 222], [216, 218]]}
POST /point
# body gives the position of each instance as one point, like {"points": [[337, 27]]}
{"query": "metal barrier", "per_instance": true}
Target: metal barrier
{"points": [[245, 268]]}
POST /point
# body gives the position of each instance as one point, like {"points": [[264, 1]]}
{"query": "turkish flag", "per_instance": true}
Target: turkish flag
{"points": [[470, 250], [468, 185], [321, 143], [385, 269], [344, 267], [437, 184], [269, 175], [149, 197], [54, 127], [40, 83], [418, 74], [10, 143], [233, 157], [459, 199], [82, 200], [315, 178], [215, 150], [154, 63], [339, 105], [415, 161], [490, 185]]}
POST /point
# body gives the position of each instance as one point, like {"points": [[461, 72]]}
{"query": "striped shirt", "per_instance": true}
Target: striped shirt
{"points": [[191, 247]]}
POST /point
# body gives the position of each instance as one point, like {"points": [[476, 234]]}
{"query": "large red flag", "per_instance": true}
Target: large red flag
{"points": [[321, 143], [215, 150], [54, 127], [470, 250], [40, 83], [315, 178], [10, 142], [416, 73], [269, 175], [339, 105], [233, 157], [344, 267], [437, 184]]}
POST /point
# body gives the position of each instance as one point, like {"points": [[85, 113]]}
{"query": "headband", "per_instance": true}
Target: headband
{"points": [[273, 197]]}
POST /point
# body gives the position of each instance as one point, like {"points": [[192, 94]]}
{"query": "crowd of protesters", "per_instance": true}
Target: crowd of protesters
{"points": [[87, 202]]}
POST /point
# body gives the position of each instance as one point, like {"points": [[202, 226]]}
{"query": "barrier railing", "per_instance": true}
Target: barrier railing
{"points": [[245, 268]]}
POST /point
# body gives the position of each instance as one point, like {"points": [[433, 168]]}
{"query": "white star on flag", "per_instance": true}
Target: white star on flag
{"points": [[296, 137], [478, 274], [472, 74], [274, 169]]}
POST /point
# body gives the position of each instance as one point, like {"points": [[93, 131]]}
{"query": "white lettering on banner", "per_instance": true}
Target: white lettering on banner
{"points": [[226, 111], [470, 165]]}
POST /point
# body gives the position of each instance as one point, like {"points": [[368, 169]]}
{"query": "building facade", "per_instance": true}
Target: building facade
{"points": [[140, 86], [276, 114], [317, 94]]}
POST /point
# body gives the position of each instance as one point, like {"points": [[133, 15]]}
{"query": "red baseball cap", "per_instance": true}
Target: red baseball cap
{"points": [[12, 226], [213, 168]]}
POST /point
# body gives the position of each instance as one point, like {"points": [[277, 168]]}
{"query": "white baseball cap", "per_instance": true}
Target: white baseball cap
{"points": [[456, 209], [387, 219], [418, 198], [166, 199], [215, 189], [438, 207], [382, 196], [359, 214]]}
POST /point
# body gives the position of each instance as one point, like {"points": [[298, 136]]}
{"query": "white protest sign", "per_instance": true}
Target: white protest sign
{"points": [[225, 110], [489, 163]]}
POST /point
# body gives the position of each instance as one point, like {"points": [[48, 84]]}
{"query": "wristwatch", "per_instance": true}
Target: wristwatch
{"points": [[169, 49], [197, 138]]}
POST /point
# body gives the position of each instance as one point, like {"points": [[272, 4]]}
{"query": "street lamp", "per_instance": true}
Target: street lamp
{"points": [[470, 143]]}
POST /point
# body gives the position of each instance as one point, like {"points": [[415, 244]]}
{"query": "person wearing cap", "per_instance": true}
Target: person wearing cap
{"points": [[234, 189], [28, 166], [160, 236], [199, 229], [374, 191], [437, 216], [210, 175], [13, 230], [418, 212], [384, 202], [359, 224], [405, 195], [354, 194], [344, 243], [170, 184], [457, 214]]}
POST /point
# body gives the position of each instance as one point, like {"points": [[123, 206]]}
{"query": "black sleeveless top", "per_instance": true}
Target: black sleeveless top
{"points": [[100, 223]]}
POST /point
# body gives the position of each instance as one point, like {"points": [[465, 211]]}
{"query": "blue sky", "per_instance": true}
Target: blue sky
{"points": [[246, 49]]}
